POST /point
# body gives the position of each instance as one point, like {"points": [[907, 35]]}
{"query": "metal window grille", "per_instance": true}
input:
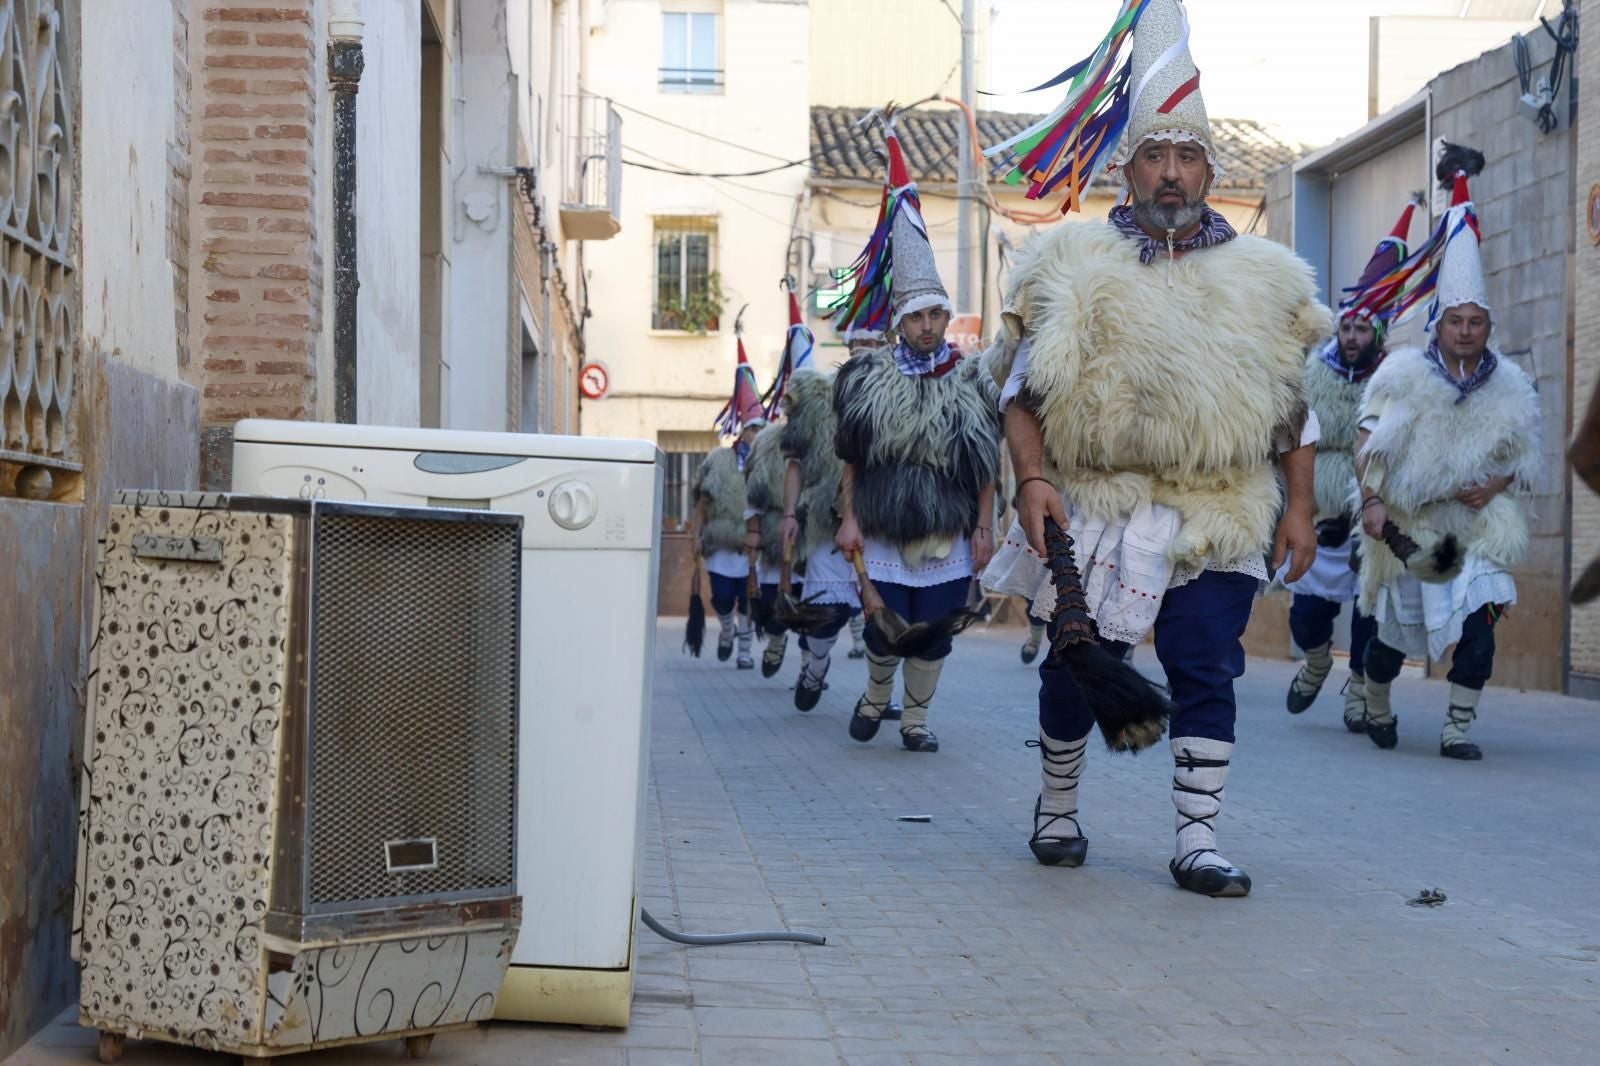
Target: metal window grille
{"points": [[685, 253], [683, 452], [38, 316], [689, 53]]}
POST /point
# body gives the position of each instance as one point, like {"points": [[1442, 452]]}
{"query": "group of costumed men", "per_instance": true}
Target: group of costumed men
{"points": [[882, 472], [1169, 392], [1420, 450]]}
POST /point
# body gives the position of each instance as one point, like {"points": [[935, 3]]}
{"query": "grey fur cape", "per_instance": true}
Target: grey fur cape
{"points": [[1337, 401], [808, 433], [763, 474], [922, 448], [719, 483]]}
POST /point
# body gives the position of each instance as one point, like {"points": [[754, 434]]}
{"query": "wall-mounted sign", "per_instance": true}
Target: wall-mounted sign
{"points": [[1594, 213], [594, 380], [966, 333]]}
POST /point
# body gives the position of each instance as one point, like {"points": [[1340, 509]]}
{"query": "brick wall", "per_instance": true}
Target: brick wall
{"points": [[1586, 350], [1525, 205], [258, 275], [179, 173]]}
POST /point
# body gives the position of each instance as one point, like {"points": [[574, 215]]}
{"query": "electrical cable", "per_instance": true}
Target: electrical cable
{"points": [[698, 133], [710, 939], [708, 174]]}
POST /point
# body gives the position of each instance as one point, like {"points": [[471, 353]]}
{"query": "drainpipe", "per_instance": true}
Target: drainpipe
{"points": [[345, 63]]}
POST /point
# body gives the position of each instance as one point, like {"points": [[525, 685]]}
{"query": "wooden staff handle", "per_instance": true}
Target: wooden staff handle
{"points": [[786, 573], [871, 602]]}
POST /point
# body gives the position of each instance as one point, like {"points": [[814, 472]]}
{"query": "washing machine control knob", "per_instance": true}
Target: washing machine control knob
{"points": [[573, 504]]}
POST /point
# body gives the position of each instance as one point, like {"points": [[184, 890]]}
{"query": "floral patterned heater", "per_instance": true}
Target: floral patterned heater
{"points": [[299, 791]]}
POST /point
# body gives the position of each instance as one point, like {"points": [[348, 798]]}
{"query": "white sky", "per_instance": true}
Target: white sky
{"points": [[1299, 65]]}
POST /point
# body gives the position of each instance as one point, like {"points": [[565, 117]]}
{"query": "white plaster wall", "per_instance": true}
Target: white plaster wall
{"points": [[482, 316], [128, 119], [678, 382], [388, 193]]}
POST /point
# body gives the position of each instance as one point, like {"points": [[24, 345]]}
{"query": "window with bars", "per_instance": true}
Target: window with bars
{"points": [[690, 60], [683, 454], [687, 296]]}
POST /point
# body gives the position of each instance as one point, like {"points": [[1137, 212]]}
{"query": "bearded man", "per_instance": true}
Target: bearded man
{"points": [[1153, 367], [1446, 433], [1335, 376]]}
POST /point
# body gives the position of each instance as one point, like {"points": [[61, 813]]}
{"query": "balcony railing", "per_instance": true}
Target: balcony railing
{"points": [[591, 199], [690, 80]]}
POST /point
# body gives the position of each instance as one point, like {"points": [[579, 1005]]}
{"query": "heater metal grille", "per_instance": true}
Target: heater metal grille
{"points": [[413, 707]]}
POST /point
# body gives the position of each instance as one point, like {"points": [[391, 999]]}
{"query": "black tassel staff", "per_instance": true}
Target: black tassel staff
{"points": [[793, 613], [889, 634], [1131, 712], [1437, 565], [694, 634]]}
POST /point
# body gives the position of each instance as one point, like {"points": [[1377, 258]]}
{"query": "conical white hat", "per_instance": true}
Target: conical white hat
{"points": [[915, 283], [1461, 267], [1164, 85]]}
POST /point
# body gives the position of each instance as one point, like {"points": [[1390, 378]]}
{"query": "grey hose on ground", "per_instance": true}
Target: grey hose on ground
{"points": [[706, 940]]}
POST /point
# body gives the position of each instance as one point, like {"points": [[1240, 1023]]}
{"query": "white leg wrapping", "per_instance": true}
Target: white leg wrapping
{"points": [[1314, 671], [880, 684], [921, 680], [1200, 772], [1060, 765], [1463, 711]]}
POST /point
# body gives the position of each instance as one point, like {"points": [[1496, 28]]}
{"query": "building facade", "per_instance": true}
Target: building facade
{"points": [[183, 248]]}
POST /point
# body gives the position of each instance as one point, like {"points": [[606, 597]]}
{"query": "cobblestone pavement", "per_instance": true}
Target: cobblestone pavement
{"points": [[948, 944]]}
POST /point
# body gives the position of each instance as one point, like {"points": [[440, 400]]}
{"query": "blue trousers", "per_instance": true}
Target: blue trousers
{"points": [[1311, 620], [922, 605], [1198, 642], [728, 593]]}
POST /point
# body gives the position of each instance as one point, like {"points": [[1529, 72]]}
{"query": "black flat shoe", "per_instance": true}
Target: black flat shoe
{"points": [[1461, 749], [1055, 851], [1219, 882], [806, 697], [1356, 725], [724, 651], [894, 712], [1384, 734], [863, 728], [919, 740], [770, 665], [1299, 702]]}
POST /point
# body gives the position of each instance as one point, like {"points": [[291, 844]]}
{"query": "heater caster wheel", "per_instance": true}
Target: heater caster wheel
{"points": [[417, 1046], [109, 1049]]}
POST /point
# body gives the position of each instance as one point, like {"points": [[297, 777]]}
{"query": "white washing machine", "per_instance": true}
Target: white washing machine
{"points": [[591, 550]]}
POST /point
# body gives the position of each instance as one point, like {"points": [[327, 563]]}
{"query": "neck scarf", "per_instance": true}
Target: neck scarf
{"points": [[1486, 364], [913, 364], [1214, 230], [1359, 372], [741, 451]]}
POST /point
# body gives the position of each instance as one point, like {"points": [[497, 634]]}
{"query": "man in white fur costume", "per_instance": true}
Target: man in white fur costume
{"points": [[919, 436], [1335, 375], [719, 515], [1447, 432], [1153, 368]]}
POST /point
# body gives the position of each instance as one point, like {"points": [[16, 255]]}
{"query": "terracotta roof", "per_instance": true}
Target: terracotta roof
{"points": [[929, 138]]}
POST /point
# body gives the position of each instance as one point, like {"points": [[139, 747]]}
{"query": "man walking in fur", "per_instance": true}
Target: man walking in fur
{"points": [[918, 435], [1335, 376], [1446, 434], [764, 475], [718, 533], [1152, 365]]}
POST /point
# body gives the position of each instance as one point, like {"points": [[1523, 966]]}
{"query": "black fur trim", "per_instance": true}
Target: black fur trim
{"points": [[1454, 158]]}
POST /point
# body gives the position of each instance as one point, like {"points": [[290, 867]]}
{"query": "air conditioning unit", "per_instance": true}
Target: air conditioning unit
{"points": [[591, 540], [298, 822]]}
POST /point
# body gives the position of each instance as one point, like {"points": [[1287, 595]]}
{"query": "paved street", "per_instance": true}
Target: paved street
{"points": [[948, 944]]}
